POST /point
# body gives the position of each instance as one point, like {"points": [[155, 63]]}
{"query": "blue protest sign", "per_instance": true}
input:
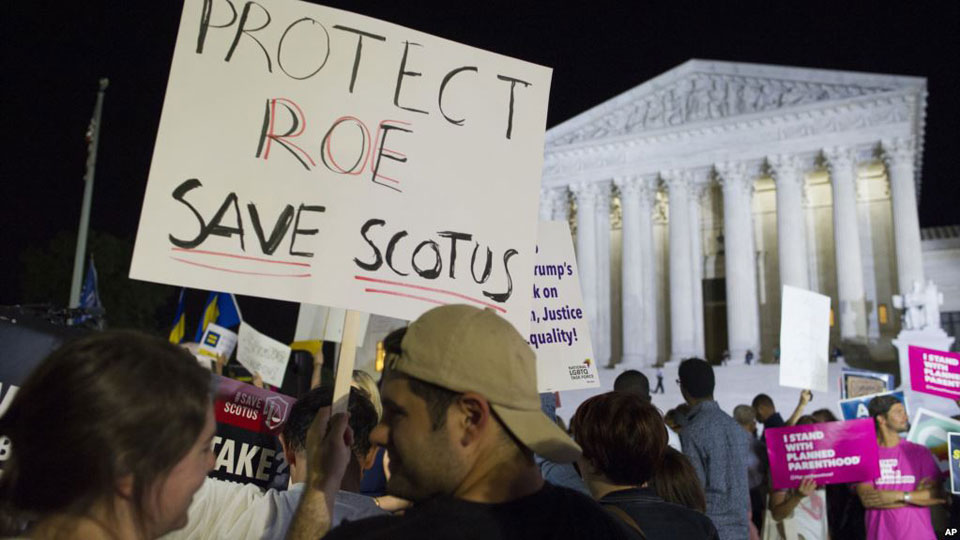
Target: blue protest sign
{"points": [[853, 408]]}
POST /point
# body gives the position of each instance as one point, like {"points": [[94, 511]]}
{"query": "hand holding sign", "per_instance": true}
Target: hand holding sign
{"points": [[329, 440], [807, 486], [221, 361]]}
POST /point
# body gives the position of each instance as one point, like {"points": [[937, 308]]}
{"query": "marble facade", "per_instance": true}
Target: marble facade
{"points": [[695, 196]]}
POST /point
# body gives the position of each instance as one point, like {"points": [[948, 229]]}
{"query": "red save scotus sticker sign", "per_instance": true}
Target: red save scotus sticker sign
{"points": [[248, 422], [254, 409]]}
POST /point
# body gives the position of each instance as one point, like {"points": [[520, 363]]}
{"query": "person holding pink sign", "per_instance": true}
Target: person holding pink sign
{"points": [[897, 502], [800, 512]]}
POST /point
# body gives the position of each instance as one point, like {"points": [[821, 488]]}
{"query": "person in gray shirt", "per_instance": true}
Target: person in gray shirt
{"points": [[717, 448]]}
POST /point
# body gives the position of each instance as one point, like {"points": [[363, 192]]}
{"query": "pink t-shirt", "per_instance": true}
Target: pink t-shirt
{"points": [[901, 469]]}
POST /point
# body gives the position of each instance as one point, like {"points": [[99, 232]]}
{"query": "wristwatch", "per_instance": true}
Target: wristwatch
{"points": [[906, 496]]}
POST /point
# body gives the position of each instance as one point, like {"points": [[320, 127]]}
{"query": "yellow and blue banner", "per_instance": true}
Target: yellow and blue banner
{"points": [[179, 321], [221, 308]]}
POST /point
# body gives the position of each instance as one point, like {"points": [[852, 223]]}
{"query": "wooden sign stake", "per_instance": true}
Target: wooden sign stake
{"points": [[345, 361]]}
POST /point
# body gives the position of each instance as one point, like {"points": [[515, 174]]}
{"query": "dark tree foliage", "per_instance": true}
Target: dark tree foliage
{"points": [[46, 273]]}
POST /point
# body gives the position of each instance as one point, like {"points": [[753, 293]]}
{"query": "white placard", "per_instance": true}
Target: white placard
{"points": [[262, 354], [559, 332], [217, 340], [804, 339], [326, 324], [319, 323], [319, 156]]}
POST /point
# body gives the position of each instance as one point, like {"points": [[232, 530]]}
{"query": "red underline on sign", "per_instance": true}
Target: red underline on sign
{"points": [[405, 295], [239, 271], [244, 257], [431, 289]]}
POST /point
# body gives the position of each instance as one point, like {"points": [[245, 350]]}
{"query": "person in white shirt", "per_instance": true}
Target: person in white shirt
{"points": [[223, 509]]}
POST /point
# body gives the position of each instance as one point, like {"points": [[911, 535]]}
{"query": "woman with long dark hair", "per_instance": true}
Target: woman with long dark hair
{"points": [[110, 437]]}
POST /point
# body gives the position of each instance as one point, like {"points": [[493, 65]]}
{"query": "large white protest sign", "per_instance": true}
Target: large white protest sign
{"points": [[559, 332], [309, 154], [262, 354], [804, 339]]}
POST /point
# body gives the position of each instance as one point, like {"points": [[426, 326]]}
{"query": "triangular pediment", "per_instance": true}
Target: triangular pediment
{"points": [[704, 91]]}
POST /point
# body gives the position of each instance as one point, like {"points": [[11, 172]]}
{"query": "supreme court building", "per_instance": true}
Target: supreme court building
{"points": [[695, 196]]}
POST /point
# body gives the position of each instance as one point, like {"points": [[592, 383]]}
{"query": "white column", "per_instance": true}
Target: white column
{"points": [[631, 274], [553, 204], [846, 237], [791, 224], [743, 318], [697, 190], [681, 296], [813, 262], [586, 196], [602, 346], [638, 271], [865, 228], [648, 274], [899, 157]]}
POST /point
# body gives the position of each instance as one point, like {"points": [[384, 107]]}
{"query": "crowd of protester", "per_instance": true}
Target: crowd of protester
{"points": [[111, 437]]}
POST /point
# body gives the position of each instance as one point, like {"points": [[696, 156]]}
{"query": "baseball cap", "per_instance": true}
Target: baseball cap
{"points": [[467, 349]]}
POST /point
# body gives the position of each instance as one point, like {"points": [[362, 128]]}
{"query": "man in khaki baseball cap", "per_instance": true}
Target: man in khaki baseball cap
{"points": [[461, 423], [465, 349]]}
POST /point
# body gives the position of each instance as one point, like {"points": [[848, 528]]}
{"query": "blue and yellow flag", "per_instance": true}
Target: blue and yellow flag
{"points": [[179, 322], [221, 308]]}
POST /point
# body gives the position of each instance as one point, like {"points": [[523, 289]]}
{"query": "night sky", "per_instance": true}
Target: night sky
{"points": [[54, 52]]}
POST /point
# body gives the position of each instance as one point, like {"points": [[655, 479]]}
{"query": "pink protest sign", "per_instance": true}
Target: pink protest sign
{"points": [[934, 372], [829, 452]]}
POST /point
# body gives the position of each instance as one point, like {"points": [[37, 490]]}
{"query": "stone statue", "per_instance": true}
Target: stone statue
{"points": [[932, 298], [921, 307], [911, 303]]}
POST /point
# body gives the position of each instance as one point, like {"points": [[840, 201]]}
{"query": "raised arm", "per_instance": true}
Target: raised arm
{"points": [[221, 361], [328, 453], [317, 369], [805, 397]]}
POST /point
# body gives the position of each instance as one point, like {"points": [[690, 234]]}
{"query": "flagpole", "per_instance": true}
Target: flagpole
{"points": [[87, 197]]}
